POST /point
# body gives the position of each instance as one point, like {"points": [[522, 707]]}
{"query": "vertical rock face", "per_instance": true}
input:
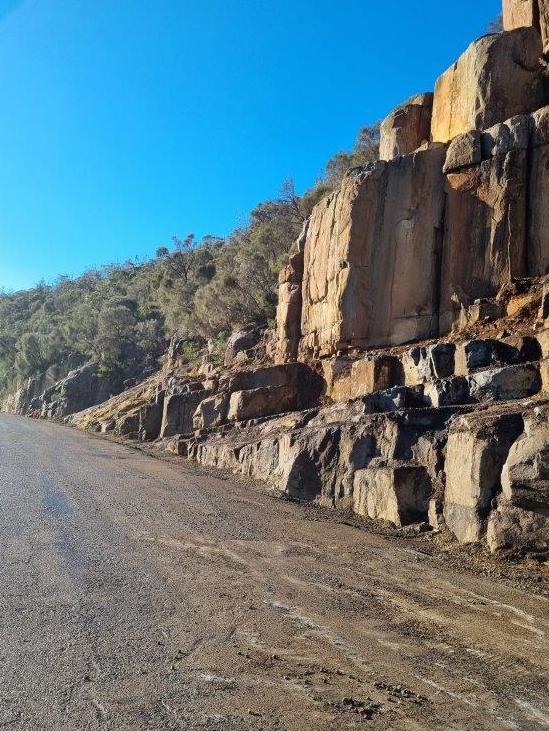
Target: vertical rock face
{"points": [[527, 13], [520, 14], [498, 77], [288, 313], [407, 127], [396, 494], [485, 219], [522, 517], [371, 257], [403, 249], [538, 228], [476, 452], [543, 7]]}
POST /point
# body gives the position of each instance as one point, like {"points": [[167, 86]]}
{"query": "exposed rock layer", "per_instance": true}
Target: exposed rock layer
{"points": [[402, 249], [498, 76], [529, 13], [407, 128], [371, 257]]}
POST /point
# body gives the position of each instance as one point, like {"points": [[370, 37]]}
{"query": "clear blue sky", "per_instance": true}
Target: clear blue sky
{"points": [[126, 121]]}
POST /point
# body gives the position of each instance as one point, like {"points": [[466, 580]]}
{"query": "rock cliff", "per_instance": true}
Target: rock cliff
{"points": [[410, 382], [398, 252]]}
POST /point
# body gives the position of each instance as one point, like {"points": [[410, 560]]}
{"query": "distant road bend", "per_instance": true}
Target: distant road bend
{"points": [[140, 594]]}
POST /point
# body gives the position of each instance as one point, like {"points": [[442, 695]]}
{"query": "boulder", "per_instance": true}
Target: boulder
{"points": [[493, 384], [396, 398], [521, 521], [240, 342], [259, 402], [399, 494], [512, 134], [179, 409], [128, 424], [480, 311], [371, 252], [376, 373], [306, 383], [336, 373], [447, 392], [211, 412], [278, 375], [498, 76], [150, 419], [476, 451], [424, 364], [505, 384], [407, 127], [514, 530], [483, 353], [309, 464], [464, 150], [350, 379], [526, 347], [525, 475]]}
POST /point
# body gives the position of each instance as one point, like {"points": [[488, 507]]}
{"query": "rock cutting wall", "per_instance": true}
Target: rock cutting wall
{"points": [[405, 246], [371, 258], [498, 77], [529, 13]]}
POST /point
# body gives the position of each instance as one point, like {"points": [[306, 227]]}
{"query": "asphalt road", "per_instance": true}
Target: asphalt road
{"points": [[141, 594]]}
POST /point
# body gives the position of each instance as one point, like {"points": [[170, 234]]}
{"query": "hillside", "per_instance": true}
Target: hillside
{"points": [[123, 316]]}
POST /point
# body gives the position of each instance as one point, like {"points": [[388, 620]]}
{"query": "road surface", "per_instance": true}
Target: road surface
{"points": [[140, 594]]}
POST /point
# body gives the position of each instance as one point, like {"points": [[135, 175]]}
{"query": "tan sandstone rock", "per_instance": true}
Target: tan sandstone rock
{"points": [[498, 76], [463, 151], [407, 128], [423, 364], [371, 253], [399, 494], [258, 402], [521, 521], [521, 13], [347, 379], [475, 454], [538, 230], [179, 409], [211, 412], [288, 313], [485, 223]]}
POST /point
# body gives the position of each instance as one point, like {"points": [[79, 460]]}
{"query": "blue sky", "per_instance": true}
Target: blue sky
{"points": [[126, 121]]}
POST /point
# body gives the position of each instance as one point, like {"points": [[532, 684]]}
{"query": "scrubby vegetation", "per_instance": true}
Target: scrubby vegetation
{"points": [[123, 315], [496, 25]]}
